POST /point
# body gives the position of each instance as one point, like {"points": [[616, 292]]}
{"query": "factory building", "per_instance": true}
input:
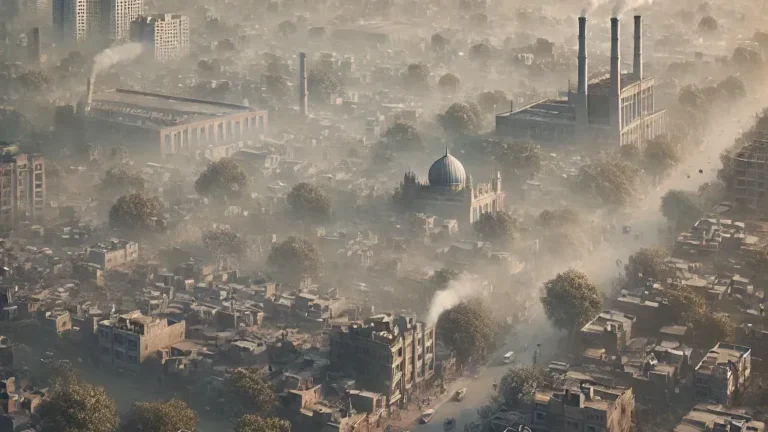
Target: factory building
{"points": [[615, 108], [166, 35], [160, 125]]}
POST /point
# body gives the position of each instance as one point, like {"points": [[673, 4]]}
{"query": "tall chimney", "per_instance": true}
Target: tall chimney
{"points": [[637, 67], [303, 84], [614, 106], [582, 84], [88, 94]]}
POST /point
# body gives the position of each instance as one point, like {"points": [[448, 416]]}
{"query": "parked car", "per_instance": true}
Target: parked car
{"points": [[426, 416], [459, 395]]}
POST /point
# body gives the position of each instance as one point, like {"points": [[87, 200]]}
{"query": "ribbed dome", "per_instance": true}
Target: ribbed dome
{"points": [[447, 172]]}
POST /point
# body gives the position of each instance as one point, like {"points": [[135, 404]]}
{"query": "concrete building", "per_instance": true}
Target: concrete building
{"points": [[609, 332], [33, 46], [126, 341], [70, 19], [584, 406], [715, 418], [113, 254], [750, 168], [722, 375], [22, 187], [166, 35], [116, 17], [391, 355], [447, 194], [615, 108], [170, 125]]}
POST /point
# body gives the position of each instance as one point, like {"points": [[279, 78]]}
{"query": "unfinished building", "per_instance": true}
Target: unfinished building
{"points": [[615, 108], [750, 172]]}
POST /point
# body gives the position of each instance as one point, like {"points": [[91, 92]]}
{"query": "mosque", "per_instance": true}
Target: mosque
{"points": [[447, 195]]}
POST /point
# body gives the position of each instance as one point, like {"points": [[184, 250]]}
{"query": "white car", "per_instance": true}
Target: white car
{"points": [[509, 357]]}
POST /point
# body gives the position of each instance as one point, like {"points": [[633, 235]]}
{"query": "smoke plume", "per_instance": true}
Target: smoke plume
{"points": [[619, 6], [114, 55], [459, 290]]}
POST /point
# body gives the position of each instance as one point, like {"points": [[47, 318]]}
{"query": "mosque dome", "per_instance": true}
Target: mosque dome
{"points": [[447, 172]]}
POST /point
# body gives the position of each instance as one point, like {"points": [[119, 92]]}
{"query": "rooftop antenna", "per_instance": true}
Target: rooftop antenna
{"points": [[446, 150]]}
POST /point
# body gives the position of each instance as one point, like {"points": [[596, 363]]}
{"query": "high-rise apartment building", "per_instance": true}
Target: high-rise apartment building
{"points": [[118, 16], [78, 20], [22, 186], [166, 34], [70, 20]]}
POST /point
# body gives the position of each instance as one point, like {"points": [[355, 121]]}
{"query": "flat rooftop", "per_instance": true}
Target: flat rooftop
{"points": [[152, 109], [550, 110], [602, 86]]}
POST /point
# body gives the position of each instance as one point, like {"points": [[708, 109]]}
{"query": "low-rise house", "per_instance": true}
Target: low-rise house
{"points": [[610, 331], [716, 418], [722, 375], [126, 341], [113, 254]]}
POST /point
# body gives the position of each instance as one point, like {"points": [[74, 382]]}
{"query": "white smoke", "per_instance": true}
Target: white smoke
{"points": [[619, 6], [464, 288], [114, 55]]}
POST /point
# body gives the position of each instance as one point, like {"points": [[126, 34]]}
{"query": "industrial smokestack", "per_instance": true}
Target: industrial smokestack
{"points": [[88, 94], [615, 84], [637, 67], [582, 84], [303, 84]]}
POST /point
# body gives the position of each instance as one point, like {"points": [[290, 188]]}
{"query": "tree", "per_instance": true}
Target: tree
{"points": [[661, 155], [684, 304], [225, 46], [613, 182], [308, 201], [542, 48], [467, 329], [321, 85], [119, 181], [171, 416], [711, 193], [566, 244], [286, 28], [439, 42], [76, 406], [520, 160], [224, 243], [134, 212], [440, 279], [497, 227], [417, 76], [461, 119], [746, 58], [449, 83], [401, 137], [490, 102], [691, 96], [646, 263], [254, 423], [710, 328], [480, 52], [733, 87], [708, 24], [295, 259], [570, 301], [519, 385], [223, 179], [680, 208], [250, 391], [278, 86], [560, 218], [33, 80]]}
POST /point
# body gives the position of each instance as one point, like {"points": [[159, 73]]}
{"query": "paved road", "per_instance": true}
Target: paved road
{"points": [[479, 390]]}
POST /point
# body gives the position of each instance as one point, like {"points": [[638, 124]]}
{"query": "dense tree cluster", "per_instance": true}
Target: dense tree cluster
{"points": [[519, 385], [76, 406], [499, 227], [461, 119], [223, 179], [612, 182], [309, 202], [681, 208], [468, 330], [449, 84], [250, 392], [135, 212], [171, 416], [646, 263], [321, 85], [119, 181], [402, 137], [222, 242], [295, 259], [570, 300]]}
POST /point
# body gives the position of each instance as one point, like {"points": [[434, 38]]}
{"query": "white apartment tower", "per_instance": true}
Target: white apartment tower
{"points": [[78, 20], [166, 34]]}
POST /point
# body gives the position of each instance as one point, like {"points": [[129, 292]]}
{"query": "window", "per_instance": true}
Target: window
{"points": [[591, 428], [119, 355], [540, 415], [118, 339]]}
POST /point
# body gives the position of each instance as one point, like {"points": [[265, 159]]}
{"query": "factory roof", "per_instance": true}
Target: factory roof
{"points": [[602, 85], [151, 109], [548, 110]]}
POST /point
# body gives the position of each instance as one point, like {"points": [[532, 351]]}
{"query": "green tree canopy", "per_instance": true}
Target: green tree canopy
{"points": [[402, 137], [321, 85], [461, 119], [519, 385], [661, 154], [278, 86], [449, 83], [34, 80], [254, 423], [499, 227], [684, 303], [250, 391], [570, 300], [710, 328], [295, 259], [134, 212], [680, 208], [559, 218], [480, 52], [441, 278], [76, 406], [491, 102], [310, 202], [648, 262], [467, 329], [417, 76], [223, 179], [223, 242], [519, 160], [171, 416], [613, 182], [119, 181]]}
